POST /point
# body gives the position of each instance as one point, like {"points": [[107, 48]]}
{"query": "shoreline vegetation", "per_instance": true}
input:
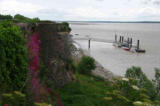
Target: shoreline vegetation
{"points": [[70, 76]]}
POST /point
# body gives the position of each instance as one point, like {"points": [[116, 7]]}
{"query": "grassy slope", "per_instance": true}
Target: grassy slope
{"points": [[86, 91]]}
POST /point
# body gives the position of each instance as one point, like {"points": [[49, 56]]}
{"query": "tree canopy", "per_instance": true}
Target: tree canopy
{"points": [[5, 17]]}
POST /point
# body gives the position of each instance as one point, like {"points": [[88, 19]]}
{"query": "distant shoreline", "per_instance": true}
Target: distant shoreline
{"points": [[113, 21]]}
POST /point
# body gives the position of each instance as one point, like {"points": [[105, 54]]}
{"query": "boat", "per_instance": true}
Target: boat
{"points": [[126, 48], [119, 45], [115, 44], [140, 50]]}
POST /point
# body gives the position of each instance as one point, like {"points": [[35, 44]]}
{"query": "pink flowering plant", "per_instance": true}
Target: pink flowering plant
{"points": [[34, 49], [39, 91]]}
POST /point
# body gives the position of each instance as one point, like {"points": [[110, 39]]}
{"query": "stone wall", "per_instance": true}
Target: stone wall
{"points": [[55, 52]]}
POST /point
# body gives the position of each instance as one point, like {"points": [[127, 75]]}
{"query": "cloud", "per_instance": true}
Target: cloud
{"points": [[149, 13], [157, 2], [146, 2], [123, 10], [99, 0], [14, 6], [152, 2]]}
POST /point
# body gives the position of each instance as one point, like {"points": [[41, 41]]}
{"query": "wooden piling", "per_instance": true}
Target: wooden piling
{"points": [[138, 42], [122, 39], [89, 42], [130, 43], [115, 38]]}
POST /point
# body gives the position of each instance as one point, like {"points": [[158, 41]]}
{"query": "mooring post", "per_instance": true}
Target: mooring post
{"points": [[122, 39], [89, 42], [138, 44], [115, 38], [130, 42]]}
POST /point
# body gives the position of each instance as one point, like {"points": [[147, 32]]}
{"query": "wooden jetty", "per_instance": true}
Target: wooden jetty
{"points": [[125, 44], [128, 44]]}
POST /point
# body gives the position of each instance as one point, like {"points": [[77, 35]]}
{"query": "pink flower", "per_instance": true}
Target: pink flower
{"points": [[34, 47], [5, 104], [59, 99]]}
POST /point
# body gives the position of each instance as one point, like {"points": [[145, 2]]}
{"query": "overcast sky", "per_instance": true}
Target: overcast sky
{"points": [[84, 10]]}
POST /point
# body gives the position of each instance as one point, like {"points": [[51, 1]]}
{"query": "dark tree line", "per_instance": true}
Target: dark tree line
{"points": [[5, 17]]}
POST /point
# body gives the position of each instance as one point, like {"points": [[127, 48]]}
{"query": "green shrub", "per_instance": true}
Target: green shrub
{"points": [[98, 78], [14, 99], [143, 81], [86, 65], [83, 92], [13, 58], [41, 104], [66, 27], [126, 93], [157, 83]]}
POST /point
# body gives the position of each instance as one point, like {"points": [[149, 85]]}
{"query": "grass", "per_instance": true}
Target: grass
{"points": [[86, 91]]}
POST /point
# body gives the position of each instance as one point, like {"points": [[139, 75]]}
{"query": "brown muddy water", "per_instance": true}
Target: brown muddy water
{"points": [[115, 59]]}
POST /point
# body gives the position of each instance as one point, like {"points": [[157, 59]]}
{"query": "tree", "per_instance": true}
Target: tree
{"points": [[13, 57], [22, 18], [5, 17], [66, 27]]}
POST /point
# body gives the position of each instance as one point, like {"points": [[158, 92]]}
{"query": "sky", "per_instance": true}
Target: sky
{"points": [[84, 10]]}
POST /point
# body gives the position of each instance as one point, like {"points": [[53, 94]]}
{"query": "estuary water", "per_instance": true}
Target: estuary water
{"points": [[115, 59]]}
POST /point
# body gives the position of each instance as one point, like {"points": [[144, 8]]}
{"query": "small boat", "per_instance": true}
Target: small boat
{"points": [[126, 48], [115, 44], [119, 45], [140, 50], [125, 45], [70, 35]]}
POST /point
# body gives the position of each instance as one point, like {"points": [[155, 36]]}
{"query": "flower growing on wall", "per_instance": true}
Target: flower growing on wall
{"points": [[34, 49]]}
